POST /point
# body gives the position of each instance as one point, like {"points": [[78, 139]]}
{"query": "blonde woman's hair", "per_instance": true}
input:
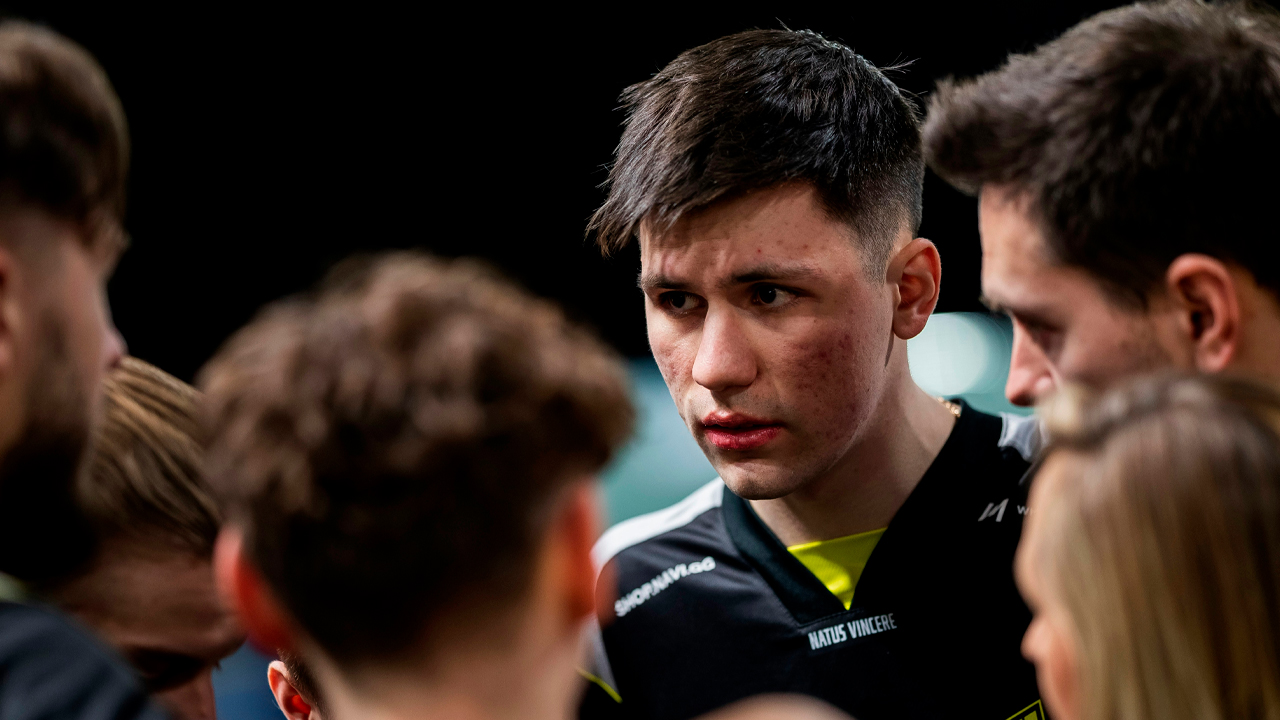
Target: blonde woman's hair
{"points": [[145, 479], [1160, 534]]}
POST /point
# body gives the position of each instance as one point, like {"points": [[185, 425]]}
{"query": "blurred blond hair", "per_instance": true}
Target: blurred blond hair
{"points": [[1159, 531]]}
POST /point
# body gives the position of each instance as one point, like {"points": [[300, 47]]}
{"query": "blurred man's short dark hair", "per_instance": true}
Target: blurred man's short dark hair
{"points": [[64, 144], [1143, 133], [393, 447], [761, 108]]}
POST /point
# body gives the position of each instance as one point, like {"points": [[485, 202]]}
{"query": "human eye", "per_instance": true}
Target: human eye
{"points": [[771, 296], [1044, 335], [679, 302]]}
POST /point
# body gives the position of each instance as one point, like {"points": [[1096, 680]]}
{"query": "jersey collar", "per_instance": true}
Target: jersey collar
{"points": [[804, 596]]}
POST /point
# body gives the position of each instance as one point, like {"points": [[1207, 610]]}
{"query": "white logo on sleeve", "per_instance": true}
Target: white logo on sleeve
{"points": [[637, 597], [996, 510]]}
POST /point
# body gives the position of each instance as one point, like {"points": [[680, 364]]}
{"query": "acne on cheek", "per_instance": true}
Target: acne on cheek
{"points": [[830, 384]]}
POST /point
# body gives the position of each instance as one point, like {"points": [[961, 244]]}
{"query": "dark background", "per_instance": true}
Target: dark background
{"points": [[270, 144]]}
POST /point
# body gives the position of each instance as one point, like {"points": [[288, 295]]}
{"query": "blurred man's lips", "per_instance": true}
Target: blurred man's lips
{"points": [[731, 431]]}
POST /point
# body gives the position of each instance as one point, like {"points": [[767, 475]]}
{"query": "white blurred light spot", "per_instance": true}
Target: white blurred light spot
{"points": [[961, 353]]}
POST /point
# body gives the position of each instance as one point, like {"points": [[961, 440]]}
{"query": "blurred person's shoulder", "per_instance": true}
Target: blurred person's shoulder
{"points": [[693, 524], [51, 669]]}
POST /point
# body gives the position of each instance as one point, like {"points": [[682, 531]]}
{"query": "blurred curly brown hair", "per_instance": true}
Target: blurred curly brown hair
{"points": [[392, 444]]}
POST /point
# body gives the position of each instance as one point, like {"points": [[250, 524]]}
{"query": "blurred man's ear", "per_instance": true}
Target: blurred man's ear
{"points": [[10, 322], [1208, 313], [245, 590], [290, 701], [915, 271], [573, 534]]}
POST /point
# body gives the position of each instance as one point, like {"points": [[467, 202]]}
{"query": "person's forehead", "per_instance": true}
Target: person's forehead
{"points": [[777, 226], [1018, 269]]}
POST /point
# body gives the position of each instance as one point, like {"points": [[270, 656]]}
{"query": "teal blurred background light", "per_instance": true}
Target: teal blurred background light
{"points": [[957, 355]]}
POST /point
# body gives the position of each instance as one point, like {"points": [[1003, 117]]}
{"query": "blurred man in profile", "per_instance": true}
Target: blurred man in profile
{"points": [[148, 590], [408, 462], [1126, 186], [64, 153], [858, 544]]}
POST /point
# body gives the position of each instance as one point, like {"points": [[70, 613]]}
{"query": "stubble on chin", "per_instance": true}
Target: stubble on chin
{"points": [[756, 479], [43, 533]]}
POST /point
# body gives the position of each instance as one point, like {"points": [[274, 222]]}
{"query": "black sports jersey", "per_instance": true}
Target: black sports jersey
{"points": [[712, 608]]}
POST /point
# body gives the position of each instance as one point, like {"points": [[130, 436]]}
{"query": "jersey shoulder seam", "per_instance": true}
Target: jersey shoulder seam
{"points": [[629, 533]]}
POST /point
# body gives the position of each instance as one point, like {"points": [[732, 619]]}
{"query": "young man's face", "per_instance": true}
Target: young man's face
{"points": [[771, 336], [1065, 326]]}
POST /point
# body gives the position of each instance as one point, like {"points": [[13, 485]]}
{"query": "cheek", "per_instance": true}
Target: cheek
{"points": [[1050, 648], [674, 351], [1107, 348], [827, 375]]}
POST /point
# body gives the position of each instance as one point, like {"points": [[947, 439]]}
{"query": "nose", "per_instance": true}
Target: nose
{"points": [[113, 347], [725, 359], [1030, 376]]}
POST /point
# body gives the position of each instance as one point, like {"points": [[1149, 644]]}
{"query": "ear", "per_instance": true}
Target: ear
{"points": [[1206, 307], [915, 271], [289, 700], [573, 534], [246, 592]]}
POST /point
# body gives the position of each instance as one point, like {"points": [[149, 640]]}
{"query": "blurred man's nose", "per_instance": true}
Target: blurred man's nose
{"points": [[725, 358], [192, 700], [113, 346], [1030, 377]]}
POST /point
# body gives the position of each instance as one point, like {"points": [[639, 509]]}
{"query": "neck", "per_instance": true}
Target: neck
{"points": [[865, 489], [477, 680]]}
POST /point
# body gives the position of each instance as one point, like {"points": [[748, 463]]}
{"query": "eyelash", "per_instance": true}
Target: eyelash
{"points": [[757, 289], [666, 299]]}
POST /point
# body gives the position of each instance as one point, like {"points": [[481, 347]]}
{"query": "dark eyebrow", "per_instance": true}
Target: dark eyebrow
{"points": [[767, 271], [1028, 316], [649, 282], [775, 271]]}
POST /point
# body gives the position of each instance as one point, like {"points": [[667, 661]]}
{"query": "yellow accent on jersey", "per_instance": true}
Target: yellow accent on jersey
{"points": [[838, 563], [603, 685], [1034, 711]]}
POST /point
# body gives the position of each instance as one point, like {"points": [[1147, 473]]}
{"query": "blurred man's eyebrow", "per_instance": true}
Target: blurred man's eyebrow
{"points": [[992, 305], [1029, 315]]}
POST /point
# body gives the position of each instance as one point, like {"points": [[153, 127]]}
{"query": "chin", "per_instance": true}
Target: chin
{"points": [[757, 483]]}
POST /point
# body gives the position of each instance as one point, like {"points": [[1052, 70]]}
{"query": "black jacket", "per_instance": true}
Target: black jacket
{"points": [[712, 608]]}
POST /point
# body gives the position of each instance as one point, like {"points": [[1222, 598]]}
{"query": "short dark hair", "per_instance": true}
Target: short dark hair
{"points": [[761, 108], [392, 446], [64, 144], [145, 480], [1141, 134]]}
